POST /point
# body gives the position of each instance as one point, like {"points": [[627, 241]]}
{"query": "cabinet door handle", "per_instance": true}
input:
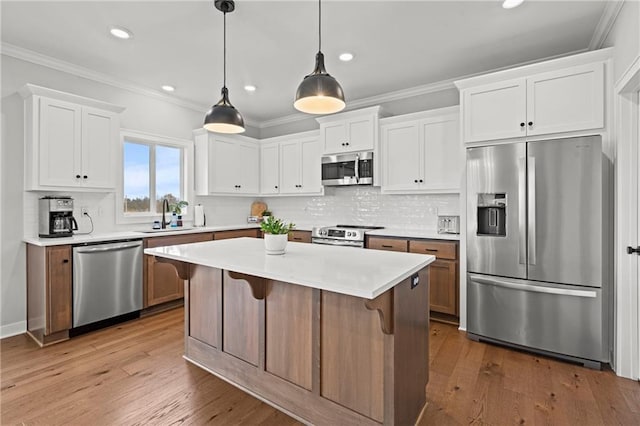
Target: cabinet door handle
{"points": [[530, 123], [276, 187], [631, 250], [297, 238], [420, 180], [347, 143], [77, 176], [65, 261], [522, 124], [415, 180], [387, 246], [84, 177]]}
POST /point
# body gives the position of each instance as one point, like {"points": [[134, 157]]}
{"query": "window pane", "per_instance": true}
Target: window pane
{"points": [[168, 176], [136, 178]]}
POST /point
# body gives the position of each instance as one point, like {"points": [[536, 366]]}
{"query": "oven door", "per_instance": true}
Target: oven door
{"points": [[348, 169]]}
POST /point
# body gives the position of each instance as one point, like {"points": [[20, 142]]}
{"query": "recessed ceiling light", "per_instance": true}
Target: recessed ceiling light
{"points": [[121, 33], [346, 57], [168, 88], [250, 88], [510, 4]]}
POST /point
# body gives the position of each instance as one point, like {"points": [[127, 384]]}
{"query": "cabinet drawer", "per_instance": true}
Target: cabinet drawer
{"points": [[300, 236], [237, 233], [173, 240], [441, 250], [390, 244]]}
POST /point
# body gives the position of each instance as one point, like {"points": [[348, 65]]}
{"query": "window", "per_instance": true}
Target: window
{"points": [[153, 169]]}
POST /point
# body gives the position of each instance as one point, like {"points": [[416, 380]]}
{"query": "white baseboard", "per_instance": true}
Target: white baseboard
{"points": [[9, 330]]}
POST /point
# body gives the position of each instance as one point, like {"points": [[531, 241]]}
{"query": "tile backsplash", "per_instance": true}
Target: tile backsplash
{"points": [[358, 205], [354, 205]]}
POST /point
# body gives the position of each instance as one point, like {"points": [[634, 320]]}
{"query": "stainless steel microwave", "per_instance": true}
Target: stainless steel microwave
{"points": [[348, 169]]}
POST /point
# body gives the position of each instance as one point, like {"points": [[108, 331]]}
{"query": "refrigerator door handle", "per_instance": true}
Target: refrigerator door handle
{"points": [[531, 207], [530, 287], [522, 218]]}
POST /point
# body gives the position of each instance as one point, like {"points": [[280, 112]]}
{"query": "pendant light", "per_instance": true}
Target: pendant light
{"points": [[319, 93], [223, 117]]}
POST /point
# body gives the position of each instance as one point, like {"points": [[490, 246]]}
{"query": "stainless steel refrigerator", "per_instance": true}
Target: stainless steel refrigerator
{"points": [[538, 260]]}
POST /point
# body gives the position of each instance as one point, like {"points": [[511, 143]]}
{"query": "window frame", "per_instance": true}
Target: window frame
{"points": [[186, 172]]}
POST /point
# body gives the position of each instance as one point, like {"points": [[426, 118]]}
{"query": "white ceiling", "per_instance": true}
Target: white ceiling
{"points": [[272, 44]]}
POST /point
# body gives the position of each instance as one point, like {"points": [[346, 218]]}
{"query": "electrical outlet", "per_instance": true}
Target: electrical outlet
{"points": [[84, 211]]}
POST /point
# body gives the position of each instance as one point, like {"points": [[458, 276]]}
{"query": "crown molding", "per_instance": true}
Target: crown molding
{"points": [[69, 68], [608, 18], [370, 101]]}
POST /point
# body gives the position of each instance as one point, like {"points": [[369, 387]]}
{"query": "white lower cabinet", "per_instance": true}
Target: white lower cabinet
{"points": [[226, 164], [422, 153], [71, 141]]}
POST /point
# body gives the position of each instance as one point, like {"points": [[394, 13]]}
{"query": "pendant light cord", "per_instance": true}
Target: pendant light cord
{"points": [[319, 25], [224, 54]]}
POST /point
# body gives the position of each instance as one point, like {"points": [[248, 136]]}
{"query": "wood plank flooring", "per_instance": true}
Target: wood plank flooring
{"points": [[134, 374]]}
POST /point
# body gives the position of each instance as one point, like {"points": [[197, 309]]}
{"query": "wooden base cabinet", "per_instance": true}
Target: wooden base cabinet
{"points": [[443, 274], [323, 357], [161, 283], [49, 293]]}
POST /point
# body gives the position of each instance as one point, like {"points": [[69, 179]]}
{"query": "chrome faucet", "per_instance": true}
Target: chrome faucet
{"points": [[165, 209]]}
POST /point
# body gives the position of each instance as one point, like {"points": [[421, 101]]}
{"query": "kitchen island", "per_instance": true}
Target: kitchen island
{"points": [[329, 335]]}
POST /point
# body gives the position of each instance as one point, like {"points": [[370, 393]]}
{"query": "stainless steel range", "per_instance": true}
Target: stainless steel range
{"points": [[341, 235]]}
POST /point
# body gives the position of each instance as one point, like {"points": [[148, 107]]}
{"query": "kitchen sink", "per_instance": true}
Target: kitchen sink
{"points": [[159, 231]]}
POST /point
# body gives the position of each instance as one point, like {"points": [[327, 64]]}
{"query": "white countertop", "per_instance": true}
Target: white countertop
{"points": [[413, 233], [125, 235], [344, 270]]}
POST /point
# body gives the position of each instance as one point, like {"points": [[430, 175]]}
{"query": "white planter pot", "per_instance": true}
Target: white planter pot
{"points": [[275, 243]]}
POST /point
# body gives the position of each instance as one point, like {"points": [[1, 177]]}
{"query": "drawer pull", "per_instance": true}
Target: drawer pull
{"points": [[431, 250], [387, 246]]}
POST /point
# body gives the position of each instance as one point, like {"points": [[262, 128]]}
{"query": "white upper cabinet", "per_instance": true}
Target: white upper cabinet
{"points": [[422, 153], [350, 131], [71, 142], [270, 168], [495, 111], [300, 167], [290, 165], [226, 164], [561, 99], [566, 100]]}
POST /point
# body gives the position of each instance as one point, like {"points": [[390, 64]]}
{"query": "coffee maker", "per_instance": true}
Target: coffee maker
{"points": [[56, 217]]}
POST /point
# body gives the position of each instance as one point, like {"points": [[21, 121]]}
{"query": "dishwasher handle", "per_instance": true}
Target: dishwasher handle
{"points": [[118, 247]]}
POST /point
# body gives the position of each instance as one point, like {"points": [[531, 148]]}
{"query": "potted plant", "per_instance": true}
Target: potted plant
{"points": [[276, 234]]}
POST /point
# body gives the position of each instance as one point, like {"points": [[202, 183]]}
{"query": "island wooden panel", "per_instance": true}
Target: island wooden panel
{"points": [[289, 323], [242, 317], [352, 353], [205, 301], [318, 355]]}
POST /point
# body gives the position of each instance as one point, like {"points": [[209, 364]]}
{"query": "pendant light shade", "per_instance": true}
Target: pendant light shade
{"points": [[224, 117], [319, 92]]}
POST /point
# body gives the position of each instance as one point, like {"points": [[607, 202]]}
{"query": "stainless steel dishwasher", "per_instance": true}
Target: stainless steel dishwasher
{"points": [[107, 280]]}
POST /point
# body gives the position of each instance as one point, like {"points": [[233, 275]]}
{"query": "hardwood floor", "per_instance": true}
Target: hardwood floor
{"points": [[134, 374]]}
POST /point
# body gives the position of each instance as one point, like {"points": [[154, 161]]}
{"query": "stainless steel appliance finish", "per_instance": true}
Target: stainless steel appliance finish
{"points": [[448, 224], [341, 235], [348, 169], [107, 281], [56, 217], [538, 270]]}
